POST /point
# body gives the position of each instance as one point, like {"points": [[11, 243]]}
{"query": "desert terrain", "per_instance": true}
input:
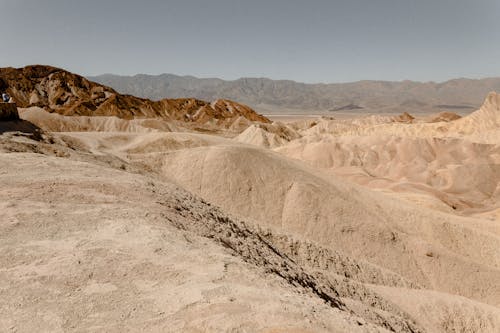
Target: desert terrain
{"points": [[122, 214]]}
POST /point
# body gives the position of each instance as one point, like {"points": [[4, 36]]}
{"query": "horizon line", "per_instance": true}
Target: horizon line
{"points": [[296, 81], [266, 78]]}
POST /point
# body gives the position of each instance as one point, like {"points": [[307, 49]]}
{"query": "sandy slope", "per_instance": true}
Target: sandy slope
{"points": [[425, 248], [110, 254], [295, 199], [104, 257], [413, 247]]}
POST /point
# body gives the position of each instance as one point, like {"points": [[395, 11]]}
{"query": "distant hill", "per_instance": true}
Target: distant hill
{"points": [[281, 95], [69, 94]]}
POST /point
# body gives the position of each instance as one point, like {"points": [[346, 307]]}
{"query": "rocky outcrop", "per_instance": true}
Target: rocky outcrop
{"points": [[60, 91], [405, 117], [8, 112], [445, 116]]}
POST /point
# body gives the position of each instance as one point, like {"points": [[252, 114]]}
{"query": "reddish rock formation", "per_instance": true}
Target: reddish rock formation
{"points": [[443, 116], [60, 91], [405, 117]]}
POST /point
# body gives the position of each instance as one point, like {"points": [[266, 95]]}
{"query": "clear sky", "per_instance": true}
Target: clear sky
{"points": [[302, 40]]}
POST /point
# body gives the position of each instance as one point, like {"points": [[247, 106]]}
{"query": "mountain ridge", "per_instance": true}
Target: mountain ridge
{"points": [[291, 80], [278, 95]]}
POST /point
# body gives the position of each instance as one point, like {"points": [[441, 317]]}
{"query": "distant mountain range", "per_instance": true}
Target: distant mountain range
{"points": [[266, 95]]}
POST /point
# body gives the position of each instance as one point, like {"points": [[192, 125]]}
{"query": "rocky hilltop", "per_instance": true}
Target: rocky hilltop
{"points": [[65, 93]]}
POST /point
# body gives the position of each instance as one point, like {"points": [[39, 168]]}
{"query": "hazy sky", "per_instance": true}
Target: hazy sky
{"points": [[306, 40]]}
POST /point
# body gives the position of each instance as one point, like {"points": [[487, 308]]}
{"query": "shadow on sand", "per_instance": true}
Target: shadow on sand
{"points": [[23, 126]]}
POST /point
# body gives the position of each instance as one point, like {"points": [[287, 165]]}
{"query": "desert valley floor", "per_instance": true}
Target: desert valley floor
{"points": [[112, 223]]}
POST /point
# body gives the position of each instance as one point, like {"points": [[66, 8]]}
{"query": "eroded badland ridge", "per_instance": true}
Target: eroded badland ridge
{"points": [[68, 94], [123, 214]]}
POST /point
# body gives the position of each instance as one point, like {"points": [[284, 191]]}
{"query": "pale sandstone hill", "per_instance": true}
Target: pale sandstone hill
{"points": [[461, 173], [479, 126], [54, 122], [487, 118], [299, 200], [456, 161], [278, 134], [268, 135]]}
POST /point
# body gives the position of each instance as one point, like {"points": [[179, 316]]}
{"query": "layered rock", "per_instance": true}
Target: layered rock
{"points": [[60, 91]]}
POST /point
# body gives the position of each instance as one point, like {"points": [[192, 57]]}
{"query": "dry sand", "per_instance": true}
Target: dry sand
{"points": [[379, 223]]}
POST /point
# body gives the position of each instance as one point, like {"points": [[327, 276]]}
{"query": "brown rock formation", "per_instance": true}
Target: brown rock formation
{"points": [[405, 117], [60, 91], [443, 116], [8, 111]]}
